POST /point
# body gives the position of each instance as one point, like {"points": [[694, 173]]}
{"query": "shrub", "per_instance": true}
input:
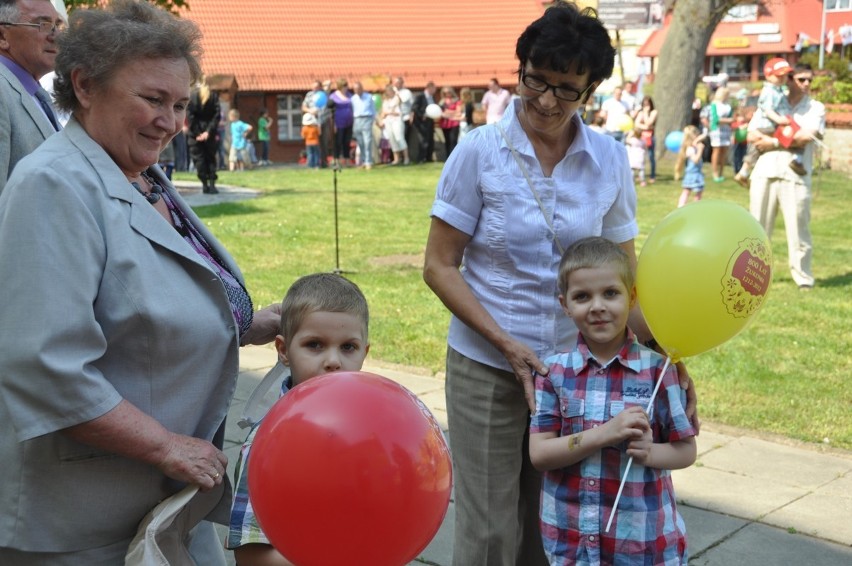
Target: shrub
{"points": [[833, 84]]}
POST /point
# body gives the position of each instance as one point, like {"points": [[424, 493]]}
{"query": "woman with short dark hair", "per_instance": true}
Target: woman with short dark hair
{"points": [[511, 197]]}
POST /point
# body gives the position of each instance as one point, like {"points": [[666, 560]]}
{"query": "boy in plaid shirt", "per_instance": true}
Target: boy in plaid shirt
{"points": [[590, 419], [324, 319]]}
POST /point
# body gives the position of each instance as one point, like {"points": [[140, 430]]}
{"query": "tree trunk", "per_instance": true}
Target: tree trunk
{"points": [[681, 63]]}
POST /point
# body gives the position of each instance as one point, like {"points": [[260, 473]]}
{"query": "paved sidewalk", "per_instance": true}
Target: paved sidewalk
{"points": [[191, 193], [747, 501]]}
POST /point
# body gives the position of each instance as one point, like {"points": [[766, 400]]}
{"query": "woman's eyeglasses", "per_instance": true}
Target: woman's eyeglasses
{"points": [[565, 93], [803, 80], [44, 26]]}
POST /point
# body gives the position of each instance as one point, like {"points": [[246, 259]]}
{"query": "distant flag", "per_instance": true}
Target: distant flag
{"points": [[803, 42], [845, 34]]}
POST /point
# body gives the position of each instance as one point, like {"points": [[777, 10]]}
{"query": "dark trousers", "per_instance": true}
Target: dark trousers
{"points": [[652, 157], [426, 139], [342, 141], [181, 152], [204, 157], [451, 138], [326, 141], [739, 155]]}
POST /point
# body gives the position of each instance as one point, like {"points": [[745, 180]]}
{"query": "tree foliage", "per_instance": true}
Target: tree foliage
{"points": [[170, 5], [681, 61], [832, 85]]}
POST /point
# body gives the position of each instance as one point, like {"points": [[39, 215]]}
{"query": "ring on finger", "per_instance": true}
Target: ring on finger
{"points": [[215, 476]]}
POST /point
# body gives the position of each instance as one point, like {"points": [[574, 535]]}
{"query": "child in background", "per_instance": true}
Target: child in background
{"points": [[636, 151], [772, 111], [311, 135], [590, 418], [690, 155], [740, 138], [324, 323], [598, 125], [238, 157], [252, 153], [263, 123]]}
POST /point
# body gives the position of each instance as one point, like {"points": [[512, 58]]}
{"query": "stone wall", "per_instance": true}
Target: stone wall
{"points": [[838, 137], [839, 151]]}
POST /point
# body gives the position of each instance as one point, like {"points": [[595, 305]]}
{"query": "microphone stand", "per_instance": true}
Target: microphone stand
{"points": [[335, 170]]}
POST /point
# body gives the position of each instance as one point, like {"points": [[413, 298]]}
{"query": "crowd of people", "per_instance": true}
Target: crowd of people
{"points": [[119, 404], [393, 126]]}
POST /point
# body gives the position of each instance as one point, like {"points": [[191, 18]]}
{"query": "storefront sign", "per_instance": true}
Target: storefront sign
{"points": [[755, 29], [769, 38], [730, 42]]}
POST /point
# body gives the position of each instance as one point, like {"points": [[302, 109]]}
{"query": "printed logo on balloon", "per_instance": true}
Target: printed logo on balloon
{"points": [[703, 273], [747, 277]]}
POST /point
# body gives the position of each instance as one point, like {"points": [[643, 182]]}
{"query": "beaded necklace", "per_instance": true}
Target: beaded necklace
{"points": [[153, 195]]}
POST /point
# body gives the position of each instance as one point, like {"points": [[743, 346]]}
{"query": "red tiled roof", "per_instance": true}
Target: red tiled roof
{"points": [[284, 45]]}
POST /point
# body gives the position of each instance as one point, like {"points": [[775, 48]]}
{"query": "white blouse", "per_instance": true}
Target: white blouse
{"points": [[511, 261]]}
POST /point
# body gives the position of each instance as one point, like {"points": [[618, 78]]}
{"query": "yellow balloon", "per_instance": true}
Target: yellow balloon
{"points": [[625, 123], [703, 274]]}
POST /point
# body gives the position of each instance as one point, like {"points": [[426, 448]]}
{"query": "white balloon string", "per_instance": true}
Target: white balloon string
{"points": [[657, 386], [630, 461]]}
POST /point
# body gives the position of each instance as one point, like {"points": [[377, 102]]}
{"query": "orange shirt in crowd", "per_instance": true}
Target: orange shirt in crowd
{"points": [[311, 134]]}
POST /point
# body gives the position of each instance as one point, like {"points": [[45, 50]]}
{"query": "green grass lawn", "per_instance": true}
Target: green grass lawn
{"points": [[788, 373]]}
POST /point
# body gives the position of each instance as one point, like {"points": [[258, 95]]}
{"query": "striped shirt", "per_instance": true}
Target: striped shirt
{"points": [[244, 528], [576, 502]]}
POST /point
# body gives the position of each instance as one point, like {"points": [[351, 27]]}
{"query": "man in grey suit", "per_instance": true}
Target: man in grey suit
{"points": [[28, 31]]}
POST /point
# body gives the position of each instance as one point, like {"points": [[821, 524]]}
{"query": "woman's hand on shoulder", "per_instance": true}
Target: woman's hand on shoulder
{"points": [[687, 384], [265, 325], [524, 362]]}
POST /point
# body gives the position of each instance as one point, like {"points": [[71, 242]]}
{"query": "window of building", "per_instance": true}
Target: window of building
{"points": [[742, 13], [737, 67], [838, 5], [289, 117]]}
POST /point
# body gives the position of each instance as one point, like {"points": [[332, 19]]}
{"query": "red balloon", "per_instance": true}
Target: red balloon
{"points": [[349, 468]]}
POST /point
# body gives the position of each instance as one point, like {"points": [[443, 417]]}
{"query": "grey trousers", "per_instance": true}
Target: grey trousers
{"points": [[497, 489]]}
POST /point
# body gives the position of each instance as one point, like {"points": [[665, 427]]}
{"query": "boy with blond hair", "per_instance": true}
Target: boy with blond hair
{"points": [[324, 324], [590, 418]]}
